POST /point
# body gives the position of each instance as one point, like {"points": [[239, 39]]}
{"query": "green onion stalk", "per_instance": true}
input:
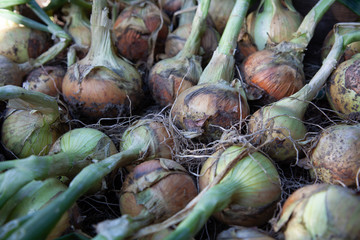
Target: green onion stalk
{"points": [[247, 195], [176, 40], [152, 192], [280, 125], [146, 139], [69, 154], [321, 211], [214, 104], [277, 71], [171, 76], [32, 123], [34, 196]]}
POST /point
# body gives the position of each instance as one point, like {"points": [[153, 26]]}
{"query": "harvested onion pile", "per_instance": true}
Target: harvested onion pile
{"points": [[151, 145]]}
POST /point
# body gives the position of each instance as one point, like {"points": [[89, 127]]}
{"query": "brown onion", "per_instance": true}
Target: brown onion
{"points": [[335, 157], [135, 31], [343, 89], [47, 79]]}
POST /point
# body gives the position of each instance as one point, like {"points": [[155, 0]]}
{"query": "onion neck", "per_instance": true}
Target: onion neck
{"points": [[307, 27], [198, 28], [221, 65]]}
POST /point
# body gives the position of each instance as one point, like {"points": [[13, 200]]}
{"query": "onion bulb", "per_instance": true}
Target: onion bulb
{"points": [[47, 79], [277, 71], [343, 88], [274, 21], [247, 194], [161, 187], [335, 157], [170, 77], [138, 29], [101, 84], [321, 211], [20, 43], [244, 233], [219, 12], [215, 103], [43, 192]]}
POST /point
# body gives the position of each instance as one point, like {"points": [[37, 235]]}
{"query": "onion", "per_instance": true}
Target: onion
{"points": [[277, 71], [47, 79], [43, 192], [219, 12], [171, 76], [238, 232], [247, 195], [274, 21], [321, 211], [203, 110], [33, 121], [342, 89], [20, 43], [138, 29], [335, 157], [101, 84], [171, 6], [158, 187], [12, 73], [279, 125]]}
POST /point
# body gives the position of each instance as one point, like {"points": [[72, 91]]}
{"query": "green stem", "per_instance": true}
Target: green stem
{"points": [[53, 28], [32, 99], [10, 3], [215, 199], [188, 15], [19, 19], [47, 217], [307, 27], [198, 28], [221, 65], [51, 53]]}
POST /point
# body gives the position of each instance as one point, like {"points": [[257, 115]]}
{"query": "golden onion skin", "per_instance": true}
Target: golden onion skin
{"points": [[258, 182], [335, 158], [161, 186], [320, 211], [133, 28], [272, 75], [343, 89], [170, 77], [47, 79], [207, 108]]}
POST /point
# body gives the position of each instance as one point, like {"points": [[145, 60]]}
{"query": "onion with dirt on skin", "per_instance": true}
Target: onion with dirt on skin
{"points": [[321, 211], [335, 157], [279, 126], [47, 79], [101, 84], [277, 71], [170, 77], [343, 88], [139, 29], [214, 104]]}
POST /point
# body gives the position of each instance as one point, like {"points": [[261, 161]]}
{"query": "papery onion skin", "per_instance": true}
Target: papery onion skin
{"points": [[343, 89], [253, 203], [26, 133], [272, 75], [47, 79], [21, 43], [167, 190], [207, 108], [320, 211], [335, 158], [133, 28]]}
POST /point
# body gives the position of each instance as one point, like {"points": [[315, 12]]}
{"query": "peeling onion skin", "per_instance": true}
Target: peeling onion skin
{"points": [[207, 108], [320, 211], [335, 158], [166, 191], [47, 79], [343, 89], [133, 28], [272, 75]]}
